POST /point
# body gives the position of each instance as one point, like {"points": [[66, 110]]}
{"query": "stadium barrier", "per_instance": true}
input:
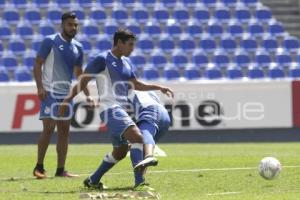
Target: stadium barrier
{"points": [[198, 105]]}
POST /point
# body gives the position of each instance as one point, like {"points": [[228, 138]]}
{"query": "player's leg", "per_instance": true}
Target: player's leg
{"points": [[109, 160], [43, 143]]}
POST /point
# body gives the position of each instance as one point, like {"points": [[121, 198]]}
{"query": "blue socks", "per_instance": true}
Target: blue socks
{"points": [[137, 155]]}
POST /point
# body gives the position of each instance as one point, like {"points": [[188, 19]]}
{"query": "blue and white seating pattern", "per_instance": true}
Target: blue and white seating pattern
{"points": [[189, 39]]}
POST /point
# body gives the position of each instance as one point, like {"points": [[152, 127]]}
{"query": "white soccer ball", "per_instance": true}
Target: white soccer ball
{"points": [[269, 168]]}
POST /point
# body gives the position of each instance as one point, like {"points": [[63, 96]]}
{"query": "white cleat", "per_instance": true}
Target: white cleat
{"points": [[148, 161]]}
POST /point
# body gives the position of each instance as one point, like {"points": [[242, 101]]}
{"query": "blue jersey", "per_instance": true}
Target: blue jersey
{"points": [[112, 78], [60, 58]]}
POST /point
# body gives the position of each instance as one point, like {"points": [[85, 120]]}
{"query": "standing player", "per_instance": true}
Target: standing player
{"points": [[114, 77], [58, 58]]}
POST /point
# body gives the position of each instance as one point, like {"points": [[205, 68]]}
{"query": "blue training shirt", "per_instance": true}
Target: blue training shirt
{"points": [[112, 78], [60, 58]]}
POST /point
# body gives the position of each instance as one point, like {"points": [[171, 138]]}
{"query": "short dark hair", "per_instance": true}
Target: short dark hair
{"points": [[123, 34], [68, 15]]}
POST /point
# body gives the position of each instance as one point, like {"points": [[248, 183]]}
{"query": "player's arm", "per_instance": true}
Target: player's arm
{"points": [[139, 85], [79, 73], [42, 55]]}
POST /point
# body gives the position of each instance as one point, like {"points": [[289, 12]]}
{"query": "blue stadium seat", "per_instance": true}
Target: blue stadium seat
{"points": [[11, 14], [150, 73], [262, 58], [128, 3], [283, 59], [200, 58], [4, 76], [153, 28], [171, 73], [241, 58], [276, 29], [41, 3], [148, 3], [93, 53], [269, 43], [134, 26], [85, 41], [90, 28], [193, 28], [140, 14], [20, 3], [46, 27], [120, 14], [32, 14], [234, 73], [110, 27], [186, 43], [249, 44], [5, 31], [158, 58], [9, 60], [103, 42], [161, 13], [221, 59], [294, 72], [22, 74], [276, 72], [179, 58], [173, 29], [230, 3], [36, 42], [228, 43], [98, 14], [166, 43], [1, 48], [24, 29], [63, 3], [192, 73], [255, 73], [210, 3], [78, 10], [242, 14], [213, 73], [190, 3], [222, 14], [291, 44], [16, 45], [138, 58], [86, 3], [208, 43], [201, 14], [145, 43], [169, 3], [214, 28], [106, 3], [251, 3], [256, 29], [54, 14], [181, 14], [235, 28], [263, 14], [2, 4], [29, 58]]}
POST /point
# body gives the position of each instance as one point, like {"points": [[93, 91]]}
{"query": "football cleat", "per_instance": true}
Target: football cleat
{"points": [[39, 174], [143, 187], [66, 174], [148, 161], [99, 186]]}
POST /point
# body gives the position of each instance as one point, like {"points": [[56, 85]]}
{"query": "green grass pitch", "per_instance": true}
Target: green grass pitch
{"points": [[189, 172]]}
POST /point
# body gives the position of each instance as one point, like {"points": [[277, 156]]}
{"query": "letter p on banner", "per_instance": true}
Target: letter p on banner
{"points": [[26, 104]]}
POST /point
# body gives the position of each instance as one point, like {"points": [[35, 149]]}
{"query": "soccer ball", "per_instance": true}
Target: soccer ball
{"points": [[269, 168]]}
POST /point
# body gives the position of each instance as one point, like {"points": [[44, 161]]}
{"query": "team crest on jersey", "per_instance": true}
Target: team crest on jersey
{"points": [[47, 110], [61, 47], [114, 64]]}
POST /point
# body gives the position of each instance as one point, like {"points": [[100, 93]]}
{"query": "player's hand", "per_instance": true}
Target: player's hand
{"points": [[167, 91], [42, 93], [91, 102], [63, 108]]}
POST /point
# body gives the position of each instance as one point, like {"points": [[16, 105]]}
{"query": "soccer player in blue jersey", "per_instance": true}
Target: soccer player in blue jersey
{"points": [[114, 77], [59, 57], [151, 117]]}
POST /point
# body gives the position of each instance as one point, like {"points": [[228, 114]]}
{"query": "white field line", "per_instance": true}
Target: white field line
{"points": [[169, 171], [224, 193]]}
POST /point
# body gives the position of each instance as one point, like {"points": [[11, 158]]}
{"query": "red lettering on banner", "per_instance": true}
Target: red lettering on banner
{"points": [[21, 111], [296, 103]]}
